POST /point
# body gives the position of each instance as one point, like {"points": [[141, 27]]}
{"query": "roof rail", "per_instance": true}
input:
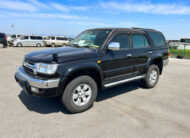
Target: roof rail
{"points": [[142, 28]]}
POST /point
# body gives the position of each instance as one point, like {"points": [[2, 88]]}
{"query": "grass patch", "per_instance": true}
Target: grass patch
{"points": [[174, 53]]}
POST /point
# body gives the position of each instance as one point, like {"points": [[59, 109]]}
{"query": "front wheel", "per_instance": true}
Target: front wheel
{"points": [[80, 94], [152, 76]]}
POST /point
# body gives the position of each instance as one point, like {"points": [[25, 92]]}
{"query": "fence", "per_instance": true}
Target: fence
{"points": [[179, 50]]}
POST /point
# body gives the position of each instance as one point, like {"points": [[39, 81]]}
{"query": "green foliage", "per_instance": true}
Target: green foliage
{"points": [[175, 53]]}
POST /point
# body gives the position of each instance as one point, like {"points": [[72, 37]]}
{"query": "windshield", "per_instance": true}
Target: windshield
{"points": [[91, 38]]}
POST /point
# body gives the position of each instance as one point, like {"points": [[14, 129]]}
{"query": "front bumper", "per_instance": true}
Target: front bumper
{"points": [[46, 87]]}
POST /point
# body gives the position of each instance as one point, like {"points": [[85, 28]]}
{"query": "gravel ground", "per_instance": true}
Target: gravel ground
{"points": [[122, 111]]}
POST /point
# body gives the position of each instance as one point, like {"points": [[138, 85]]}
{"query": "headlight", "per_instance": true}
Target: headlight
{"points": [[46, 68]]}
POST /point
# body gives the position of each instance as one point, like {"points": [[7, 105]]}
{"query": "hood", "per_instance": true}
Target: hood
{"points": [[61, 54]]}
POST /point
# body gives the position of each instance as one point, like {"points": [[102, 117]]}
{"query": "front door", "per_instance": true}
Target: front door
{"points": [[117, 62]]}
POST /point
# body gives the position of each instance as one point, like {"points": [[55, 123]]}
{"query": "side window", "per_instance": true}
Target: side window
{"points": [[157, 38], [123, 40], [52, 38], [33, 37], [25, 38], [13, 36], [39, 38], [139, 41]]}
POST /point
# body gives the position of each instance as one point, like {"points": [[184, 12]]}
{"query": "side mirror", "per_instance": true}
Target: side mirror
{"points": [[114, 46]]}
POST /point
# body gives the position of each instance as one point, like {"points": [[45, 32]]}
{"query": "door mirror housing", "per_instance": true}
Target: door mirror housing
{"points": [[114, 46]]}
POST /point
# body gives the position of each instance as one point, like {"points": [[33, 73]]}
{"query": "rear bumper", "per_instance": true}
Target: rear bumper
{"points": [[165, 62], [46, 88]]}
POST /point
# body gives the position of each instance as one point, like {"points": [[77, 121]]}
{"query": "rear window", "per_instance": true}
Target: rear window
{"points": [[157, 38], [1, 35]]}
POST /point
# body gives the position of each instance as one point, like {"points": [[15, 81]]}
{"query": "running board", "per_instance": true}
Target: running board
{"points": [[122, 81]]}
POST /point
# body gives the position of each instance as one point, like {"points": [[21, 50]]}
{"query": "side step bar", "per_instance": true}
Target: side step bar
{"points": [[122, 81]]}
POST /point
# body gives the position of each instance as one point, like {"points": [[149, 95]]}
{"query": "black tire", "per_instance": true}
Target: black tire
{"points": [[146, 81], [19, 45], [53, 45], [38, 45], [67, 97]]}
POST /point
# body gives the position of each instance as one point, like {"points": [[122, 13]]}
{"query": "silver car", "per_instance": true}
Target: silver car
{"points": [[29, 41]]}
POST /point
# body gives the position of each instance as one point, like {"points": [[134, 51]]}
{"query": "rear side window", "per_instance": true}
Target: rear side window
{"points": [[157, 38], [139, 41], [39, 38], [123, 40]]}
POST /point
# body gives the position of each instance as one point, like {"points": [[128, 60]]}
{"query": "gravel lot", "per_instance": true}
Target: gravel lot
{"points": [[123, 111]]}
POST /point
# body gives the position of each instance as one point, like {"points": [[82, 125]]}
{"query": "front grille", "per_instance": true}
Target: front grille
{"points": [[28, 69], [29, 61]]}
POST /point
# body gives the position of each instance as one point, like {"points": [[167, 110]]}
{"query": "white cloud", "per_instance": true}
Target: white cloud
{"points": [[67, 8], [17, 5], [39, 4], [147, 7], [49, 16]]}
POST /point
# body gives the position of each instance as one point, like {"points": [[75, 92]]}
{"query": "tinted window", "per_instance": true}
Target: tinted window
{"points": [[33, 37], [61, 38], [39, 38], [139, 41], [1, 35], [123, 40], [13, 36], [157, 38], [185, 40], [26, 37], [52, 38]]}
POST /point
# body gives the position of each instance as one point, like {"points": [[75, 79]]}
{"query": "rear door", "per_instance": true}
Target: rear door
{"points": [[33, 41], [141, 51]]}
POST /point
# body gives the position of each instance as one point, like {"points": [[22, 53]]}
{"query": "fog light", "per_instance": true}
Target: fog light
{"points": [[35, 89]]}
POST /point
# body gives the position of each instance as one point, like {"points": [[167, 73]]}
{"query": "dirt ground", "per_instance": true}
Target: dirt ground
{"points": [[122, 111]]}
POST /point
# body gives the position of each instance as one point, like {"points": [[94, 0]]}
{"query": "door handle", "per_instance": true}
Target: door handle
{"points": [[149, 52], [129, 55]]}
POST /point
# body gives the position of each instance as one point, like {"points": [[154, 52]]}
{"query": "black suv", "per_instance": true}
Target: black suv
{"points": [[96, 58], [3, 40]]}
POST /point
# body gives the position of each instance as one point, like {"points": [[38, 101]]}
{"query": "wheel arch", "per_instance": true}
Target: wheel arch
{"points": [[91, 70], [157, 61]]}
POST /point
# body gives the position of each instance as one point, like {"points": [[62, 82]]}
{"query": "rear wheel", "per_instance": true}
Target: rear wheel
{"points": [[152, 76], [38, 45], [80, 94]]}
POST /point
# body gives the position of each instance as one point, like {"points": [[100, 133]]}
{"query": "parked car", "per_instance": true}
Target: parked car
{"points": [[3, 40], [56, 41], [11, 38], [96, 59], [29, 41]]}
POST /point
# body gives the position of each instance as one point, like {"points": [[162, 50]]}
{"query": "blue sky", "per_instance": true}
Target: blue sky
{"points": [[70, 17]]}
